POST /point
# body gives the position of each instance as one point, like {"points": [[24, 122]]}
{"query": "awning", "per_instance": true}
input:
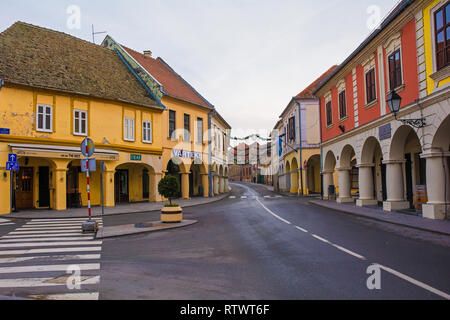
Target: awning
{"points": [[61, 152]]}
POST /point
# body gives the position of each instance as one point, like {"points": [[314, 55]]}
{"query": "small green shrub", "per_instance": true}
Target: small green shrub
{"points": [[169, 187]]}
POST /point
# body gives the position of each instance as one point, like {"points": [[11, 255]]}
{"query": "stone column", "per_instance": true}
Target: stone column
{"points": [[327, 181], [221, 185], [227, 189], [154, 181], [60, 188], [108, 188], [395, 188], [205, 184], [344, 185], [216, 185], [438, 185], [366, 188], [185, 185]]}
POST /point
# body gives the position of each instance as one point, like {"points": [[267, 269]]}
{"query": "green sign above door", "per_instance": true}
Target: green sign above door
{"points": [[135, 157]]}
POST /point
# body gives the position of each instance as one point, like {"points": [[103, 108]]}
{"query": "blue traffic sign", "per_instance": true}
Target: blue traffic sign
{"points": [[12, 157], [12, 166]]}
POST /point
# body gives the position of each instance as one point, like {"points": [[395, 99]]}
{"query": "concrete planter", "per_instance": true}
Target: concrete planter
{"points": [[171, 215]]}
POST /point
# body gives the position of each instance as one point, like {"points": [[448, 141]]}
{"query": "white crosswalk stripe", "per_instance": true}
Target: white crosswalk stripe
{"points": [[256, 197], [43, 257], [5, 222]]}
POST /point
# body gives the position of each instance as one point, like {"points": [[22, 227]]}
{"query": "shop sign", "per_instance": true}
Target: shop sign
{"points": [[135, 157], [187, 154]]}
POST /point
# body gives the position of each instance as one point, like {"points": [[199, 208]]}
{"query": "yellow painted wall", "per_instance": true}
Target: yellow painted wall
{"points": [[429, 54], [105, 127]]}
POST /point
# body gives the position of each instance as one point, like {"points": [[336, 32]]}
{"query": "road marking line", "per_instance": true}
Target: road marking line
{"points": [[49, 250], [49, 244], [67, 296], [52, 225], [43, 231], [348, 251], [41, 282], [416, 282], [243, 197], [232, 197], [48, 268], [301, 229], [62, 219], [53, 258], [4, 220], [275, 215], [47, 239], [48, 228], [58, 223], [321, 239], [6, 224], [21, 236]]}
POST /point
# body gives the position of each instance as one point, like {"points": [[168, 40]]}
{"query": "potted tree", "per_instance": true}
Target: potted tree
{"points": [[169, 188]]}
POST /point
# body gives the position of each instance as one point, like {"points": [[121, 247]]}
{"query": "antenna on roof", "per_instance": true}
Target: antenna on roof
{"points": [[94, 33]]}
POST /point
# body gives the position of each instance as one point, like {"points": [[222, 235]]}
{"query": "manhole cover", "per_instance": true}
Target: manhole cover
{"points": [[144, 225]]}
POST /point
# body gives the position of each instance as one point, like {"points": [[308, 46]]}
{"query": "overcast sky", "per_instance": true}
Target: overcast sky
{"points": [[247, 57]]}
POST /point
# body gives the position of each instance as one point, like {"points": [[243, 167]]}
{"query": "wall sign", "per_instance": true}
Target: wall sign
{"points": [[385, 132], [135, 157], [187, 154], [5, 131]]}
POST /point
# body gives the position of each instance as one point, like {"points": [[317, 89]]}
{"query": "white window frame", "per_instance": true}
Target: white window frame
{"points": [[84, 134], [128, 129], [392, 45], [43, 129], [147, 125]]}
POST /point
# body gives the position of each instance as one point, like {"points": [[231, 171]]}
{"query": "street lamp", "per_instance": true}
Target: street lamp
{"points": [[394, 101]]}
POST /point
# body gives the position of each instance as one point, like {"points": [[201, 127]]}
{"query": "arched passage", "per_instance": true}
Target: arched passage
{"points": [[438, 174], [328, 176], [405, 169], [134, 182], [372, 178], [198, 180], [313, 174], [348, 175], [294, 176]]}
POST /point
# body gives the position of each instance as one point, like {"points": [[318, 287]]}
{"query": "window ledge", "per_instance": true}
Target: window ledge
{"points": [[80, 134], [343, 119], [441, 74], [43, 130], [398, 89], [147, 142], [371, 104], [330, 126]]}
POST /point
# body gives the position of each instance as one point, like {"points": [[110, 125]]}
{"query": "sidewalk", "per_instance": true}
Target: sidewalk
{"points": [[117, 210], [435, 226]]}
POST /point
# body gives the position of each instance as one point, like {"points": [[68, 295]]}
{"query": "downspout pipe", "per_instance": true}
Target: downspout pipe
{"points": [[321, 149], [301, 143], [210, 175]]}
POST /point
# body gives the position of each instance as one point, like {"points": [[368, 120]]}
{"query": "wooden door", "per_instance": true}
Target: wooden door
{"points": [[24, 188]]}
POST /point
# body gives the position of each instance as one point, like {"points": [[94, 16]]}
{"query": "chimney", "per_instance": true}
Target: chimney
{"points": [[147, 53]]}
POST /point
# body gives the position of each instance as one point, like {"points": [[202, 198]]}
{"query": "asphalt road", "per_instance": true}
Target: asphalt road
{"points": [[272, 248]]}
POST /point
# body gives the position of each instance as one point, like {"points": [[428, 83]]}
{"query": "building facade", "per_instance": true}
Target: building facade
{"points": [[56, 91], [375, 157], [220, 144], [299, 128], [185, 125]]}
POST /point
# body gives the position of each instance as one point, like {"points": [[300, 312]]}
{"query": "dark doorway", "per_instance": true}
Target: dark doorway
{"points": [[383, 180], [44, 185], [73, 191], [409, 181], [24, 188], [145, 184], [121, 186]]}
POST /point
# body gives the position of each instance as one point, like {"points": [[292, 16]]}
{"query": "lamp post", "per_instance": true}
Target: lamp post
{"points": [[394, 101]]}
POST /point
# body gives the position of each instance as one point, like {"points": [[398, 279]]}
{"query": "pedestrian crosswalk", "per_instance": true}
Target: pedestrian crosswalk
{"points": [[5, 222], [255, 197], [50, 259]]}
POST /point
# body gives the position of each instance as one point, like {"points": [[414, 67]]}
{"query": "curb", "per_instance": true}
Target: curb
{"points": [[221, 197], [378, 219], [136, 231]]}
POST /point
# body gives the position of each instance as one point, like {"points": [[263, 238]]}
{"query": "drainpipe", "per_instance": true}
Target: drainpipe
{"points": [[321, 149], [301, 144], [210, 176]]}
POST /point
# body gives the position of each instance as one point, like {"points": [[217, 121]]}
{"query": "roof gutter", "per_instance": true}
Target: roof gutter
{"points": [[395, 13], [140, 80]]}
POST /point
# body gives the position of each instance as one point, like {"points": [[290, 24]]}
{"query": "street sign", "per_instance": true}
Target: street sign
{"points": [[87, 147], [12, 166], [135, 157], [12, 157], [92, 165], [5, 131]]}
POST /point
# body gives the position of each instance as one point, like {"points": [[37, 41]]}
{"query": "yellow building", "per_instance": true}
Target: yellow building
{"points": [[57, 91], [185, 124]]}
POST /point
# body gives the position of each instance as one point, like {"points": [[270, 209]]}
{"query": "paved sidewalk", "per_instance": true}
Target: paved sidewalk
{"points": [[131, 229], [117, 210], [435, 226]]}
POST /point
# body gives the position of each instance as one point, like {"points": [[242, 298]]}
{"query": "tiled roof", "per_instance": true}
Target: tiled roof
{"points": [[43, 58], [308, 92], [173, 84]]}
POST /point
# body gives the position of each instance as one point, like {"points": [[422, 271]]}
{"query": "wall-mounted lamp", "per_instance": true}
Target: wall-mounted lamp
{"points": [[342, 128], [394, 101]]}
